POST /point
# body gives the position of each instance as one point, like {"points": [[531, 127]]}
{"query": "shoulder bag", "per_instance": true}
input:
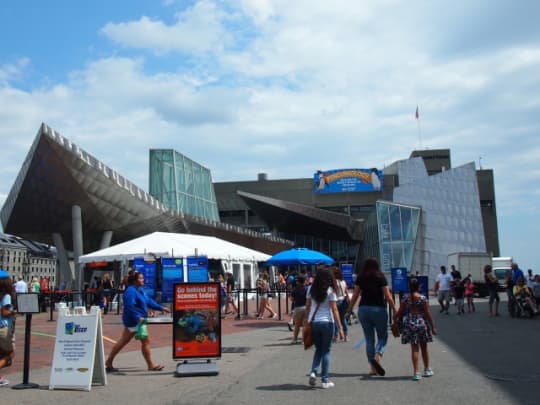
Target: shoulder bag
{"points": [[307, 335]]}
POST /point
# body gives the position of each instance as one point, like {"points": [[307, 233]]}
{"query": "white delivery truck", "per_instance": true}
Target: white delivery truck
{"points": [[471, 263], [501, 267]]}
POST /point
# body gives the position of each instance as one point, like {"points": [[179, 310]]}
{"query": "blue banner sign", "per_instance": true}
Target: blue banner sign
{"points": [[424, 285], [348, 180], [400, 282], [197, 267], [172, 271], [347, 272], [148, 269]]}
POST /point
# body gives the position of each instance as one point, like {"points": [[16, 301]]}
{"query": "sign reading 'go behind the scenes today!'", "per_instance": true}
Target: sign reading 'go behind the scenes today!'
{"points": [[196, 320], [348, 180]]}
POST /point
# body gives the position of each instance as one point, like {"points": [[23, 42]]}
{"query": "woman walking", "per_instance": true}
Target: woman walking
{"points": [[372, 288], [299, 299], [7, 313], [322, 309], [342, 302], [417, 327], [492, 284], [136, 305], [262, 289]]}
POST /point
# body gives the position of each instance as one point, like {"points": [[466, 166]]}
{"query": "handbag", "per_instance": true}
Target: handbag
{"points": [[142, 331], [395, 329], [307, 335]]}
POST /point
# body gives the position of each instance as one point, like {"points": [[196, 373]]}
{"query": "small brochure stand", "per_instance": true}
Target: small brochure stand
{"points": [[27, 304], [196, 328], [78, 360]]}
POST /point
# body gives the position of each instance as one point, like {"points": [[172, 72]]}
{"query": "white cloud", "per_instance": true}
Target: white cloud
{"points": [[198, 29], [9, 72]]}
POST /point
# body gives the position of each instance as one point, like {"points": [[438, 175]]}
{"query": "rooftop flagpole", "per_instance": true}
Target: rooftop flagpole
{"points": [[417, 115]]}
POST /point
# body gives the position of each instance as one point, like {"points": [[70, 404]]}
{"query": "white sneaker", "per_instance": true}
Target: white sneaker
{"points": [[328, 384], [312, 379], [3, 381], [428, 372]]}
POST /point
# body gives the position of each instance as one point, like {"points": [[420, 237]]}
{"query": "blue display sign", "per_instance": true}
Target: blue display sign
{"points": [[347, 272], [148, 269], [424, 285], [348, 180], [172, 272], [400, 283], [197, 267]]}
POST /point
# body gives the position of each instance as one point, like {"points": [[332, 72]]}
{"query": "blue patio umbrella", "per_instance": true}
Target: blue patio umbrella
{"points": [[296, 256], [4, 274]]}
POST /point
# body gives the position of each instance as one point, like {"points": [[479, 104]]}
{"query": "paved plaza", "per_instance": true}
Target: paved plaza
{"points": [[476, 359]]}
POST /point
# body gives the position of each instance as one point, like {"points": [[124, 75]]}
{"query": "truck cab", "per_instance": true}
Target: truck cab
{"points": [[501, 267]]}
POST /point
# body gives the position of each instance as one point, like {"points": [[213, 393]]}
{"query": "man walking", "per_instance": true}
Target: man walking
{"points": [[21, 287], [444, 281]]}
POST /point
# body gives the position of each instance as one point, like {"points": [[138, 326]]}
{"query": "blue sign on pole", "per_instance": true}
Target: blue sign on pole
{"points": [[197, 267], [424, 285], [148, 269], [399, 279], [172, 271], [347, 272]]}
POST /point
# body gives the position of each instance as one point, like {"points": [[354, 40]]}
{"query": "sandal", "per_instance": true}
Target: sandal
{"points": [[158, 367], [111, 369]]}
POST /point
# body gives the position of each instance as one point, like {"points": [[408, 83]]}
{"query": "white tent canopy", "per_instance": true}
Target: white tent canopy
{"points": [[163, 244]]}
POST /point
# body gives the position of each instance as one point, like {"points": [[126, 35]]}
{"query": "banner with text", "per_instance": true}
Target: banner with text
{"points": [[196, 321], [172, 271], [348, 180], [197, 269]]}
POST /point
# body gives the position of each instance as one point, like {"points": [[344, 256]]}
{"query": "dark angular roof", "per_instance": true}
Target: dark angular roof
{"points": [[58, 174], [288, 216]]}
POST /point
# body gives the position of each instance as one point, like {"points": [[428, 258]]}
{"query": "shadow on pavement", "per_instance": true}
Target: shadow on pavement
{"points": [[284, 387], [503, 349]]}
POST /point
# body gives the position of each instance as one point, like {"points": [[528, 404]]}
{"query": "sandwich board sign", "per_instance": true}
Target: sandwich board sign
{"points": [[78, 360]]}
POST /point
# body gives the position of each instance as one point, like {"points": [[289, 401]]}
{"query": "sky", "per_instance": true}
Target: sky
{"points": [[282, 87]]}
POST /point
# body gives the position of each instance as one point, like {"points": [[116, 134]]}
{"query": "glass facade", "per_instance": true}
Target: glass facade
{"points": [[397, 230], [451, 218], [182, 184]]}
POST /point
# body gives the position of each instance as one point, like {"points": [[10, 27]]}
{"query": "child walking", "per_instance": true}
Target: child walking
{"points": [[417, 328], [459, 295], [469, 295]]}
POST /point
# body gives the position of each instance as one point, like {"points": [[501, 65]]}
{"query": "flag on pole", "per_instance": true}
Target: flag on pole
{"points": [[417, 115]]}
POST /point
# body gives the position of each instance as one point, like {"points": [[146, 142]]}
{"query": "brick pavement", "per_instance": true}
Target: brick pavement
{"points": [[44, 331]]}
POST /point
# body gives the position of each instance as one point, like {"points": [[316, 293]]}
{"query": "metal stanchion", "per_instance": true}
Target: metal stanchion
{"points": [[51, 305], [279, 304], [238, 317]]}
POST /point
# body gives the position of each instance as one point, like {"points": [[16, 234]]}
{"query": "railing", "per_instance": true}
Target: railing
{"points": [[89, 297]]}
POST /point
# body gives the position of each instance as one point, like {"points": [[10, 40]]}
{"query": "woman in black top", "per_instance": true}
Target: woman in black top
{"points": [[372, 288]]}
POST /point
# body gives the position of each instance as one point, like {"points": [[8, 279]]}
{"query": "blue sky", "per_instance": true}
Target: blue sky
{"points": [[282, 87]]}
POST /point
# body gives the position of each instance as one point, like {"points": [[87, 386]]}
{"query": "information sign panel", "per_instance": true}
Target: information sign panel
{"points": [[148, 269], [78, 359], [172, 272], [196, 321], [197, 269], [399, 280], [347, 272], [28, 303]]}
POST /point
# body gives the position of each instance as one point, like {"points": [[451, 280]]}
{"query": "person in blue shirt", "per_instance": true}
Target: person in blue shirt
{"points": [[7, 312], [136, 305], [516, 273]]}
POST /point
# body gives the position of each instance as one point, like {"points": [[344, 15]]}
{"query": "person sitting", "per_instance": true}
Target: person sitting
{"points": [[522, 291]]}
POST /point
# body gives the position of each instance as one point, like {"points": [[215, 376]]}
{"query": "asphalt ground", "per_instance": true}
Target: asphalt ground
{"points": [[477, 360]]}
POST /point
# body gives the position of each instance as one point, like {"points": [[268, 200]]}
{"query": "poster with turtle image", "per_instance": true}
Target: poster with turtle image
{"points": [[196, 321]]}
